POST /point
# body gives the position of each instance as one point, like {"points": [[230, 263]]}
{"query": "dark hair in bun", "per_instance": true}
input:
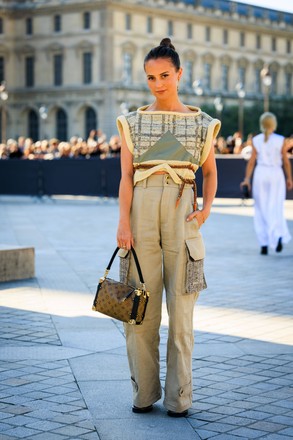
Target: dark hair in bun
{"points": [[164, 50]]}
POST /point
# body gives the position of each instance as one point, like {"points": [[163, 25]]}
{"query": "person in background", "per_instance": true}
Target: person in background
{"points": [[269, 155]]}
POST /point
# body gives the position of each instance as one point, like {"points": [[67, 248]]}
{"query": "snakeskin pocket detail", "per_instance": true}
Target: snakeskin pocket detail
{"points": [[195, 279]]}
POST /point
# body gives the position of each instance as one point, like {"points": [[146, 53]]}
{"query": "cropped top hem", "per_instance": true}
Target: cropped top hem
{"points": [[170, 168]]}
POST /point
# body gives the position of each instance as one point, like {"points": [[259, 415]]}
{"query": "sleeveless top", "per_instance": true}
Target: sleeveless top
{"points": [[174, 142], [269, 153]]}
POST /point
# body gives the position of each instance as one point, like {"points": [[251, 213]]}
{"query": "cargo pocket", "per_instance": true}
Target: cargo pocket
{"points": [[195, 279], [124, 255]]}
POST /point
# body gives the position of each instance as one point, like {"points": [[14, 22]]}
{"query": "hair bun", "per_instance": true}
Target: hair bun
{"points": [[167, 43]]}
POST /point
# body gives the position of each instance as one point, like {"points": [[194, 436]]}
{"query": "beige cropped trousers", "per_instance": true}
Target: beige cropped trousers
{"points": [[170, 252]]}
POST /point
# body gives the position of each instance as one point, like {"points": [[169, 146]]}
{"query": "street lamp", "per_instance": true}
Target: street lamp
{"points": [[197, 87], [3, 97], [267, 82], [124, 107], [43, 111], [218, 103], [241, 95]]}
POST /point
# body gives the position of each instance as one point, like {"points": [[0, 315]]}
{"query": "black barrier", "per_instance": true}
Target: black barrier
{"points": [[96, 177]]}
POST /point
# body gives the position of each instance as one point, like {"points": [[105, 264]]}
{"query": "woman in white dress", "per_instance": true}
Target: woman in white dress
{"points": [[269, 155]]}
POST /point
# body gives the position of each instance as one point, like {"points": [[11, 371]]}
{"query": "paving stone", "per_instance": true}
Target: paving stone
{"points": [[47, 436], [71, 431], [204, 434], [218, 427], [13, 409], [286, 431], [267, 426], [21, 432], [247, 433]]}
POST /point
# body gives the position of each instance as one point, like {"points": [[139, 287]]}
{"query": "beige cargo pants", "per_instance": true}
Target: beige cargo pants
{"points": [[170, 252]]}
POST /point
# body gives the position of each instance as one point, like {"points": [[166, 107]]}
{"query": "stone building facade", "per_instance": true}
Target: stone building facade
{"points": [[73, 65]]}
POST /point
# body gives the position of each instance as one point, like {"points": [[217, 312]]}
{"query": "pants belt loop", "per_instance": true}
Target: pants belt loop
{"points": [[145, 183]]}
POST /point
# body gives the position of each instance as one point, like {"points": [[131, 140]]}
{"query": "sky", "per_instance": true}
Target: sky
{"points": [[281, 5]]}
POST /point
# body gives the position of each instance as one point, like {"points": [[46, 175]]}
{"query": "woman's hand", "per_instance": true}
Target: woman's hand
{"points": [[199, 215], [289, 184], [246, 182], [124, 236]]}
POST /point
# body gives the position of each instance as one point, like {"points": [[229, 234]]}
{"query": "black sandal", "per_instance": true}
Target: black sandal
{"points": [[143, 410], [177, 414]]}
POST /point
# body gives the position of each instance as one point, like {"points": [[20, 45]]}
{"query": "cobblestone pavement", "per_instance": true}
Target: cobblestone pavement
{"points": [[63, 368]]}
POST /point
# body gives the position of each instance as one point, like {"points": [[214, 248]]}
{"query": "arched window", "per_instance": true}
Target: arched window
{"points": [[188, 73], [61, 125], [90, 121], [33, 125], [127, 68]]}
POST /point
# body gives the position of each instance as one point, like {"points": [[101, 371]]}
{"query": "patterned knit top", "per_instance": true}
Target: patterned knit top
{"points": [[165, 140]]}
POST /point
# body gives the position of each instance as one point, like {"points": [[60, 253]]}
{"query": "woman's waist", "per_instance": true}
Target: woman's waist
{"points": [[269, 165], [161, 179]]}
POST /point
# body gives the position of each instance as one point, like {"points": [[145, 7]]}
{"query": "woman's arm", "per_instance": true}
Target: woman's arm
{"points": [[287, 166], [209, 171], [124, 234], [249, 169]]}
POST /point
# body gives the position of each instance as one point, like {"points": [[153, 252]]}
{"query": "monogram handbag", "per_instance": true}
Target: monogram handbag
{"points": [[121, 301]]}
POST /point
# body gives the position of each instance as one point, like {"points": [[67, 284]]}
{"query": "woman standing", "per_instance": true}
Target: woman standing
{"points": [[163, 144], [269, 154]]}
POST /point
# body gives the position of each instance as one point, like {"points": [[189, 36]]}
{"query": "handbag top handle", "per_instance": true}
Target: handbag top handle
{"points": [[136, 263]]}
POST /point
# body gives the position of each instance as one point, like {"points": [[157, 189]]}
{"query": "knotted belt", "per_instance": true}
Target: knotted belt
{"points": [[192, 182]]}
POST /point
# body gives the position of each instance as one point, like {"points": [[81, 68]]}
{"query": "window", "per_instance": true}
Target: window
{"points": [[274, 75], [33, 125], [29, 71], [225, 77], [61, 125], [128, 22], [90, 121], [207, 76], [2, 69], [170, 28], [127, 68], [58, 68], [189, 73], [288, 83], [225, 36], [149, 25], [57, 23], [288, 46], [189, 31], [274, 44], [1, 26], [208, 34], [86, 20], [258, 42], [87, 67], [242, 75], [242, 39], [29, 26], [257, 80]]}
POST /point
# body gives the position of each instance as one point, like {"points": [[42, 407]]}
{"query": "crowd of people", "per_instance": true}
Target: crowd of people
{"points": [[96, 145]]}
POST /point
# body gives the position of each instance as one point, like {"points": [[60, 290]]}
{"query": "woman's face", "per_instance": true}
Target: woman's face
{"points": [[162, 77]]}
